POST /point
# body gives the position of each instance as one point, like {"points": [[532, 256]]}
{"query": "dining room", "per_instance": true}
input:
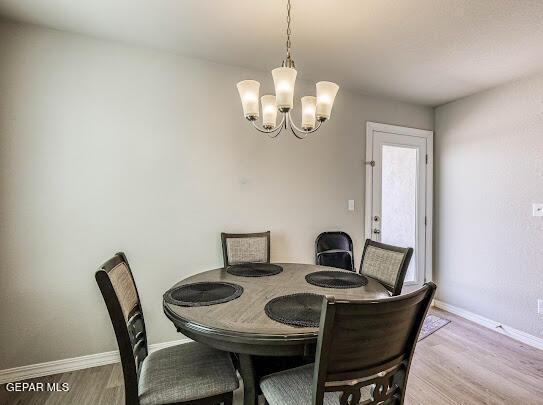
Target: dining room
{"points": [[284, 203]]}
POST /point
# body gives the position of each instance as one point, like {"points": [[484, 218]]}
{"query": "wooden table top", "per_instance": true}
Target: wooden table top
{"points": [[245, 315]]}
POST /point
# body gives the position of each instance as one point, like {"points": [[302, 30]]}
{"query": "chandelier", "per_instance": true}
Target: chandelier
{"points": [[315, 110]]}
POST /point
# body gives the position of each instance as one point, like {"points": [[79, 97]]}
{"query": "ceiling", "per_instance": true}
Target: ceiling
{"points": [[424, 51]]}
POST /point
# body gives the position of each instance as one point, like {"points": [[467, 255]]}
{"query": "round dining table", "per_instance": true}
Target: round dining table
{"points": [[242, 326]]}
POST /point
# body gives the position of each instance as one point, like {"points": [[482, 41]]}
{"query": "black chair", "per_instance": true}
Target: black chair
{"points": [[190, 373], [240, 248], [386, 263], [334, 249], [364, 353]]}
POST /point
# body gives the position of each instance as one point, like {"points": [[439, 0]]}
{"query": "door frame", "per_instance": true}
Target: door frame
{"points": [[372, 127]]}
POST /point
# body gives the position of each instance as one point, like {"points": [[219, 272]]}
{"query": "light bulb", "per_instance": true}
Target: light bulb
{"points": [[326, 93], [284, 79], [269, 111], [309, 104], [248, 92]]}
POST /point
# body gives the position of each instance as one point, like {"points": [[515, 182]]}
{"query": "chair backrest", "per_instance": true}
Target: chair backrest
{"points": [[368, 345], [330, 248], [386, 263], [121, 296], [240, 248]]}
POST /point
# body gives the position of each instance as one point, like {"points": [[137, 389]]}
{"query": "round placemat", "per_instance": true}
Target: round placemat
{"points": [[301, 310], [336, 279], [254, 269], [203, 293]]}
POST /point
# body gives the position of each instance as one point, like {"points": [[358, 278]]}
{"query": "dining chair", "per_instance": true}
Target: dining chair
{"points": [[240, 248], [364, 352], [334, 249], [189, 373], [386, 263]]}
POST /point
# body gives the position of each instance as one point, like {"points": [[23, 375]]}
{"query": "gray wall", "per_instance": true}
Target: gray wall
{"points": [[489, 161], [107, 147]]}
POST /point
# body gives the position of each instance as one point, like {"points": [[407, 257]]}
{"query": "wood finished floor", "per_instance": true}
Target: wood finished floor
{"points": [[462, 363]]}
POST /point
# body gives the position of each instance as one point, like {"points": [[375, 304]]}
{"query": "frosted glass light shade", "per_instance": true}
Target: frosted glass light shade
{"points": [[269, 111], [284, 79], [248, 92], [326, 93], [309, 106]]}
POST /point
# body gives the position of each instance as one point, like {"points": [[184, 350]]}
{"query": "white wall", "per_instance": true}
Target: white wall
{"points": [[106, 147], [489, 160]]}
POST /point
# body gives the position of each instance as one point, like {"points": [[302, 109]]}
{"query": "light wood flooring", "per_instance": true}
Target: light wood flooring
{"points": [[462, 363]]}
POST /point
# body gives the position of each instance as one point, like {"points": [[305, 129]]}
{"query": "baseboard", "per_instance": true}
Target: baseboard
{"points": [[101, 359], [513, 333], [72, 364]]}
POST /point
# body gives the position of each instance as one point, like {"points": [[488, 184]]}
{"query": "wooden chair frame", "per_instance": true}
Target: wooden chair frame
{"points": [[390, 376], [225, 236], [395, 289], [134, 349]]}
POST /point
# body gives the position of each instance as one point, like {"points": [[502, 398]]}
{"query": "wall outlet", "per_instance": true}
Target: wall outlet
{"points": [[350, 205], [537, 210], [540, 306]]}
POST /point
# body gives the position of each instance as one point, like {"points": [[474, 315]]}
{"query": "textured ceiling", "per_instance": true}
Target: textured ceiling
{"points": [[424, 51]]}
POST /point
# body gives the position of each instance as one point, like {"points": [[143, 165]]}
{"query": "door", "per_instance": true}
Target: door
{"points": [[398, 194]]}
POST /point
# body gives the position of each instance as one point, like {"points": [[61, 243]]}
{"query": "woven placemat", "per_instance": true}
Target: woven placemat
{"points": [[336, 279], [301, 310], [203, 293], [254, 269]]}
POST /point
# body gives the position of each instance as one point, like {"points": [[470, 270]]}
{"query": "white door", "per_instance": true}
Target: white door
{"points": [[398, 194]]}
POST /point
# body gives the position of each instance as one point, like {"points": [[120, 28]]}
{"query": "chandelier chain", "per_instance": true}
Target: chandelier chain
{"points": [[288, 29]]}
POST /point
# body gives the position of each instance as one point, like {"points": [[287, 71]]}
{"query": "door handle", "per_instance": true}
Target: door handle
{"points": [[376, 231]]}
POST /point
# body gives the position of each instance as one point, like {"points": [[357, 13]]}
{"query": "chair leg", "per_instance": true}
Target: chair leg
{"points": [[229, 399]]}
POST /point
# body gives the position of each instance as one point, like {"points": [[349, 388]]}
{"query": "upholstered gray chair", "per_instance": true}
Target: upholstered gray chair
{"points": [[386, 263], [240, 248], [364, 352], [190, 373]]}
